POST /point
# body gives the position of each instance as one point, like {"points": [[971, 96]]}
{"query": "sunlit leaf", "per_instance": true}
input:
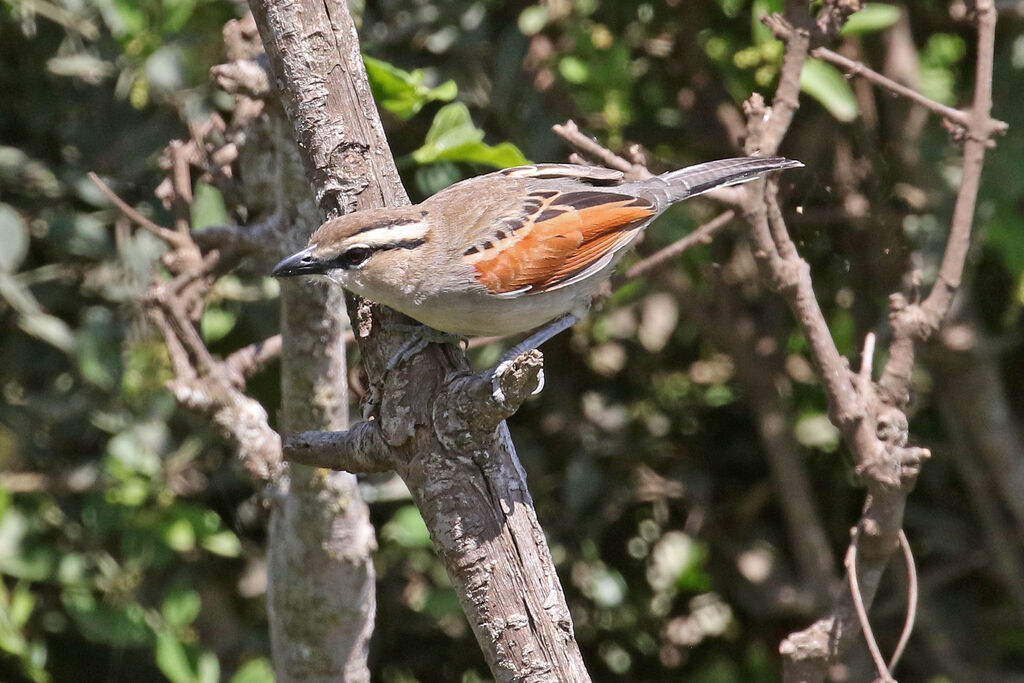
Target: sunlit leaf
{"points": [[31, 318], [208, 207], [173, 660], [874, 17], [453, 137], [826, 84], [181, 607], [208, 670], [817, 431], [224, 543], [22, 604], [532, 20], [573, 69], [254, 671], [402, 92], [177, 13], [180, 536], [216, 323]]}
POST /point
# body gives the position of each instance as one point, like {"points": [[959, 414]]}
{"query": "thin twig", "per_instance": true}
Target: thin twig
{"points": [[166, 234], [912, 595], [701, 235], [250, 359], [591, 147], [862, 613], [181, 181], [854, 68], [867, 356]]}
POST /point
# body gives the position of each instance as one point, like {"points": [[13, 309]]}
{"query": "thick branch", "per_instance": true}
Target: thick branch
{"points": [[360, 449], [473, 499]]}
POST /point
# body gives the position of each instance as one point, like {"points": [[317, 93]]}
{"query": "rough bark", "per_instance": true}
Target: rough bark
{"points": [[321, 583], [434, 423]]}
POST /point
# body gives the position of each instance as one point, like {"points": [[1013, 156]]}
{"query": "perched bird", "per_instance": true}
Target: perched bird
{"points": [[508, 251]]}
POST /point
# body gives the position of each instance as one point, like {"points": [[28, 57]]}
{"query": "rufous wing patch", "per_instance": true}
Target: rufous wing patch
{"points": [[565, 233]]}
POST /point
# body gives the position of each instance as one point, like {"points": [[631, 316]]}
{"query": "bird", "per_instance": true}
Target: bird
{"points": [[509, 251]]}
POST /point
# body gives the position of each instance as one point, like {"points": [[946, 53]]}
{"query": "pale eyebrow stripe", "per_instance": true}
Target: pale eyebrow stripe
{"points": [[381, 236], [387, 224]]}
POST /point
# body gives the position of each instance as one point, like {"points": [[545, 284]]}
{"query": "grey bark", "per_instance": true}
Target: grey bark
{"points": [[434, 424], [321, 597]]}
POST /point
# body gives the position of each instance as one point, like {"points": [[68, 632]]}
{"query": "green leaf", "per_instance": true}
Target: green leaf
{"points": [[402, 92], [453, 137], [759, 8], [573, 69], [178, 12], [216, 323], [209, 668], [105, 624], [22, 604], [254, 671], [874, 17], [532, 20], [817, 431], [98, 349], [31, 317], [126, 18], [223, 543], [181, 607], [208, 207], [131, 453], [407, 529], [179, 535], [1006, 237], [826, 84], [173, 660], [13, 237]]}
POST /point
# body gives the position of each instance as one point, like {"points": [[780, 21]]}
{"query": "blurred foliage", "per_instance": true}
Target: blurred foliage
{"points": [[130, 540]]}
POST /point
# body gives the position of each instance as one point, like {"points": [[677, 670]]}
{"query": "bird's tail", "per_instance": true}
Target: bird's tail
{"points": [[675, 186]]}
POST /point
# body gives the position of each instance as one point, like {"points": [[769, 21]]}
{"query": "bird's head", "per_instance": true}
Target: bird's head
{"points": [[360, 249]]}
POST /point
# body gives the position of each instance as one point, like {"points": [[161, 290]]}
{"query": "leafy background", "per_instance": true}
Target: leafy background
{"points": [[130, 544]]}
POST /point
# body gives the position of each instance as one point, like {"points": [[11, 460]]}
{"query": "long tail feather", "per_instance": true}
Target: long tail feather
{"points": [[684, 183]]}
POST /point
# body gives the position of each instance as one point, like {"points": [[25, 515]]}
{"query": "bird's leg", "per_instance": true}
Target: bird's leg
{"points": [[529, 344], [419, 337]]}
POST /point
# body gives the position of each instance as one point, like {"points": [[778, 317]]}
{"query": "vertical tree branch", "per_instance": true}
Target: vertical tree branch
{"points": [[913, 323], [869, 415], [321, 584], [461, 469]]}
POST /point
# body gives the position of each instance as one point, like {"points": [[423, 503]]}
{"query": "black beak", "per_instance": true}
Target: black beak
{"points": [[301, 263]]}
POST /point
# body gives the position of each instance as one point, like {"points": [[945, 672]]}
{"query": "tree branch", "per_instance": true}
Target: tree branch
{"points": [[473, 499], [869, 416], [913, 323]]}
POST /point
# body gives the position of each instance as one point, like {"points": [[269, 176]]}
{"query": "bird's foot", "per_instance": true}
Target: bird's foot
{"points": [[498, 372], [419, 337]]}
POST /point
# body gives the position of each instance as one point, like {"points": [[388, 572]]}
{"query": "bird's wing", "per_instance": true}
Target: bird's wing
{"points": [[555, 233]]}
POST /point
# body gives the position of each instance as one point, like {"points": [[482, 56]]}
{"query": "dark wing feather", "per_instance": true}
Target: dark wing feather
{"points": [[561, 236]]}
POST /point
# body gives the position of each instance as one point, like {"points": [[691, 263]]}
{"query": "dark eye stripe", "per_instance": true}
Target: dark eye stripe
{"points": [[361, 253], [404, 244]]}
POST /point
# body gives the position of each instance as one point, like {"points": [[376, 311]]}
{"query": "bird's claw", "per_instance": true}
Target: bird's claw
{"points": [[498, 371], [420, 337]]}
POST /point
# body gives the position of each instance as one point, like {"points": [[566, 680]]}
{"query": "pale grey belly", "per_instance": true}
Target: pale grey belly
{"points": [[484, 315], [476, 312]]}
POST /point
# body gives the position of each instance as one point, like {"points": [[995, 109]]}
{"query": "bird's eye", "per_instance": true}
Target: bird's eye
{"points": [[353, 257]]}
